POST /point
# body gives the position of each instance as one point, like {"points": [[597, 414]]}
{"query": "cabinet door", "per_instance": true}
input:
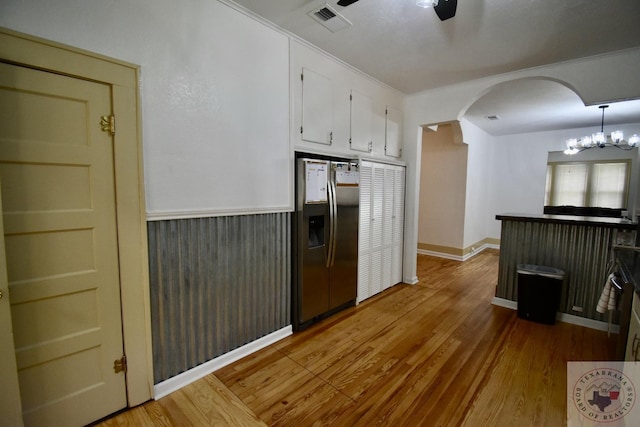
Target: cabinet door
{"points": [[633, 338], [317, 108], [393, 133], [361, 122]]}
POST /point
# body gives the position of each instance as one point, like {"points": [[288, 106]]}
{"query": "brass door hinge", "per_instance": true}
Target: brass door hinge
{"points": [[108, 124], [120, 365]]}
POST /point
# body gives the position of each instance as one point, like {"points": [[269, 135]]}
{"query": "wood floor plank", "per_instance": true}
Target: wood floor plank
{"points": [[218, 404], [155, 412], [437, 353]]}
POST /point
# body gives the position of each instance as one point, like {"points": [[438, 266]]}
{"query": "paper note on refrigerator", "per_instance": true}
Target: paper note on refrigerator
{"points": [[316, 182], [348, 177]]}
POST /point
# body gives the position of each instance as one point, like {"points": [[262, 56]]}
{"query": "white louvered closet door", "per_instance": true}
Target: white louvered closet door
{"points": [[381, 227], [387, 226], [364, 232], [398, 224], [377, 228]]}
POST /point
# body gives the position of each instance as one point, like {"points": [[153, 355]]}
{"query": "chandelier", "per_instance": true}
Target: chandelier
{"points": [[601, 140]]}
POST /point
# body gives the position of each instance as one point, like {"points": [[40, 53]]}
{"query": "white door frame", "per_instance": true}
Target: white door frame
{"points": [[33, 52]]}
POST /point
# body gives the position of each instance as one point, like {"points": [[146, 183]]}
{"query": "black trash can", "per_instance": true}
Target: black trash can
{"points": [[539, 292]]}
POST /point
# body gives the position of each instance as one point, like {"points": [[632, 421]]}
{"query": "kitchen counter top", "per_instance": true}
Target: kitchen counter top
{"points": [[618, 223]]}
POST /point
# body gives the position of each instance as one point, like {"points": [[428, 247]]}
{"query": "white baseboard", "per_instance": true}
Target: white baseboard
{"points": [[175, 383], [410, 281], [440, 255], [480, 249], [458, 257], [564, 317], [506, 303]]}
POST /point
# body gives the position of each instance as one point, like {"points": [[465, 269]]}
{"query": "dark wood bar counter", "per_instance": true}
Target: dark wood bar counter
{"points": [[580, 246], [617, 223]]}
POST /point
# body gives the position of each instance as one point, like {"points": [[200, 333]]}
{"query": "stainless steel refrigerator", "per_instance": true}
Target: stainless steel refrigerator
{"points": [[325, 236]]}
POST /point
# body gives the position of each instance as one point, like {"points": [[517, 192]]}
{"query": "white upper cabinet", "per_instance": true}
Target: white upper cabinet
{"points": [[317, 108], [361, 138], [393, 132], [337, 110]]}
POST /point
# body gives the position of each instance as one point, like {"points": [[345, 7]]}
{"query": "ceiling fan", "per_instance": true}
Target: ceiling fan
{"points": [[445, 9]]}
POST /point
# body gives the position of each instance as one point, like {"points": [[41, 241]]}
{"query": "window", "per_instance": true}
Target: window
{"points": [[609, 185], [569, 185], [588, 184]]}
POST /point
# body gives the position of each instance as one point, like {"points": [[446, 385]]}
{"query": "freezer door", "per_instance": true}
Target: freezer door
{"points": [[314, 286], [343, 279], [311, 287]]}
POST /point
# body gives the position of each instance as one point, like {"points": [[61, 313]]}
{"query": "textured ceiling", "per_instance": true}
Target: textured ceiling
{"points": [[411, 50], [530, 105]]}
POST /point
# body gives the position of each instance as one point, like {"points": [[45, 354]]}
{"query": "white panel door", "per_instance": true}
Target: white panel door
{"points": [[10, 406], [58, 197], [361, 122], [393, 132], [317, 108]]}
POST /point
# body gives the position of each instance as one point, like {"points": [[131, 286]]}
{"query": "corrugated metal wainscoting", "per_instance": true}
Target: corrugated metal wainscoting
{"points": [[216, 284], [581, 251]]}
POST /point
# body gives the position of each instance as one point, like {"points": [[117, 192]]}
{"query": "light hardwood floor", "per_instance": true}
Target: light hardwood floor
{"points": [[433, 354]]}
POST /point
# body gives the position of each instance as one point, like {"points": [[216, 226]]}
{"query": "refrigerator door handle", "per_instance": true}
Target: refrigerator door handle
{"points": [[332, 216], [334, 222]]}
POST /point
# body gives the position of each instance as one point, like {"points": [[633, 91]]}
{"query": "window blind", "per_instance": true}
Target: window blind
{"points": [[570, 185]]}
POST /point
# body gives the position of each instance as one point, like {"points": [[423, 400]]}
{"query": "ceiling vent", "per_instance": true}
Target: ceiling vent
{"points": [[493, 117], [330, 19]]}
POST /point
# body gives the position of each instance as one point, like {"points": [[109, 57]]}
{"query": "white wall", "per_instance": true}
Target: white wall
{"points": [[590, 78], [480, 165], [443, 185], [214, 91], [220, 96], [519, 174], [504, 174]]}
